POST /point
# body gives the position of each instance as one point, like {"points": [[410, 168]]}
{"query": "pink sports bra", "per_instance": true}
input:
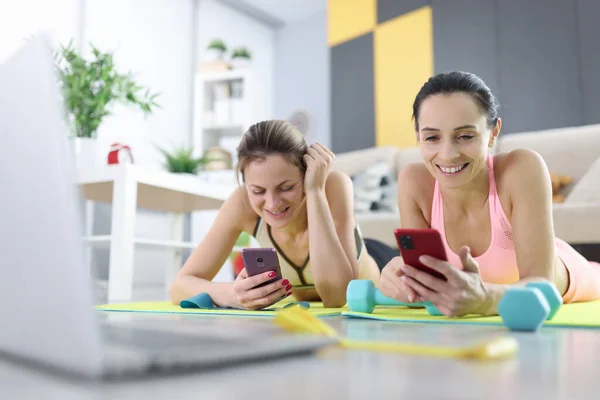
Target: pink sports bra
{"points": [[499, 262]]}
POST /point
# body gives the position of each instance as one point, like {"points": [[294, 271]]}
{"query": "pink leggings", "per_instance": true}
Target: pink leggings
{"points": [[584, 275]]}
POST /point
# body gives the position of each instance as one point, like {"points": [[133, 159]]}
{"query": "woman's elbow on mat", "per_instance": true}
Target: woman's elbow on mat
{"points": [[187, 284]]}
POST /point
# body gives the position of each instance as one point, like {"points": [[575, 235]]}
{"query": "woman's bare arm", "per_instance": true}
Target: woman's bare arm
{"points": [[331, 238], [210, 255], [528, 182]]}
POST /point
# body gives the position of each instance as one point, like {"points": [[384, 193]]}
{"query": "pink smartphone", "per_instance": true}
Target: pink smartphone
{"points": [[259, 260], [414, 243]]}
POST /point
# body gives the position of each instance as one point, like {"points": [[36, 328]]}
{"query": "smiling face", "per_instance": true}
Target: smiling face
{"points": [[454, 138], [275, 189]]}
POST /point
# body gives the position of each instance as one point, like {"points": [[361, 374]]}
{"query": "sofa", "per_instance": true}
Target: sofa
{"points": [[572, 152]]}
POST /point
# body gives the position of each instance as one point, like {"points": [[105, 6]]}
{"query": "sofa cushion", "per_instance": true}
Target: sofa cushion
{"points": [[353, 162], [375, 188], [379, 226], [566, 151], [587, 189], [575, 222]]}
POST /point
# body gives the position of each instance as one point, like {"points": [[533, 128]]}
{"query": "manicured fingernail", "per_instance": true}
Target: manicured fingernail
{"points": [[411, 298], [285, 282], [289, 294], [288, 287], [404, 278], [272, 274]]}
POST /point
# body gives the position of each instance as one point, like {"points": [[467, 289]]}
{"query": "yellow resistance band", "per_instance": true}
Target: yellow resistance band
{"points": [[296, 319]]}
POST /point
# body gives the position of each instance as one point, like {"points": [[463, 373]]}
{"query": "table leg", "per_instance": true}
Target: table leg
{"points": [[176, 236], [88, 232], [120, 275]]}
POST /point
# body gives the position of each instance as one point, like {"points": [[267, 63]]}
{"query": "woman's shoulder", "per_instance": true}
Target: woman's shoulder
{"points": [[520, 169], [339, 191], [415, 173], [336, 181], [416, 187], [415, 181], [519, 164]]}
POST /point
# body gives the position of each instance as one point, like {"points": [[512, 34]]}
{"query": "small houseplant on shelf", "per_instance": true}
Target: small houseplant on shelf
{"points": [[217, 49], [182, 160], [214, 60], [240, 57], [90, 89]]}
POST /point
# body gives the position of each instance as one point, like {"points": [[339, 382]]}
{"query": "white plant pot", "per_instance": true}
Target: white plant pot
{"points": [[240, 63], [213, 55], [85, 152]]}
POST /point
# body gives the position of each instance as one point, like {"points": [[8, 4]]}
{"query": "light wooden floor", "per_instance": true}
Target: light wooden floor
{"points": [[552, 364]]}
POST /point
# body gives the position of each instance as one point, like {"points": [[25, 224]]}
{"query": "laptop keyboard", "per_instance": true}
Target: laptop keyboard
{"points": [[156, 339], [134, 349]]}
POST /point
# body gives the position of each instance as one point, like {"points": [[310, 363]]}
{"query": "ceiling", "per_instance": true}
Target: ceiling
{"points": [[279, 12]]}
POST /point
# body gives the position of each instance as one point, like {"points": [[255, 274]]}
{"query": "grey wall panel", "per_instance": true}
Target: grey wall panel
{"points": [[302, 73], [588, 15], [388, 9], [352, 95], [538, 64], [465, 41]]}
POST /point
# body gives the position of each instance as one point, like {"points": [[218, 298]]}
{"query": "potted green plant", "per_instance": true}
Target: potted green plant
{"points": [[240, 57], [216, 49], [91, 88], [182, 160]]}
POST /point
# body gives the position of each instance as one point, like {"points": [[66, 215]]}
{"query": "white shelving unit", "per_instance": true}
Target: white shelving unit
{"points": [[226, 104]]}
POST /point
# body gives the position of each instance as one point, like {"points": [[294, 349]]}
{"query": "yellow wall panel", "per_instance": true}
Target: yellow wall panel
{"points": [[347, 19], [403, 52]]}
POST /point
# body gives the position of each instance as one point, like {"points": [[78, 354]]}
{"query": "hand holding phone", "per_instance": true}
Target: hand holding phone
{"points": [[414, 243], [260, 283]]}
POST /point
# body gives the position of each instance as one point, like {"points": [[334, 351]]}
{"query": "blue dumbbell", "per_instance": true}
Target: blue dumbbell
{"points": [[526, 308], [363, 296]]}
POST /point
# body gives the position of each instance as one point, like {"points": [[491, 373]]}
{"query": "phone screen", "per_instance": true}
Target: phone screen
{"points": [[260, 260], [414, 243]]}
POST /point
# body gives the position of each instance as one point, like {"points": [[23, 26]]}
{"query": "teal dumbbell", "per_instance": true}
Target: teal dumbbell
{"points": [[526, 308], [363, 296]]}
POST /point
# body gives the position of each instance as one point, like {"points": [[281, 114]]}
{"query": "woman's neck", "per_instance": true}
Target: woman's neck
{"points": [[297, 227], [470, 197]]}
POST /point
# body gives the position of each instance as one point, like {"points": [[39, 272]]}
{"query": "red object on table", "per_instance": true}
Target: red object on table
{"points": [[120, 154]]}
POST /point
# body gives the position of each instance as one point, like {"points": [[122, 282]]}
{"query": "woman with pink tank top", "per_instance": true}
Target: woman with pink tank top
{"points": [[494, 212]]}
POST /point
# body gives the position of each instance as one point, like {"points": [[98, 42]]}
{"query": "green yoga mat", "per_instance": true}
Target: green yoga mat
{"points": [[576, 315], [166, 307]]}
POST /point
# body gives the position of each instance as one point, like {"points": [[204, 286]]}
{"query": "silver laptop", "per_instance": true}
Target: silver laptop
{"points": [[46, 303]]}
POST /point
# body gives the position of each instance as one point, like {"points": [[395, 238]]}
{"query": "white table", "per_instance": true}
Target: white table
{"points": [[130, 187]]}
